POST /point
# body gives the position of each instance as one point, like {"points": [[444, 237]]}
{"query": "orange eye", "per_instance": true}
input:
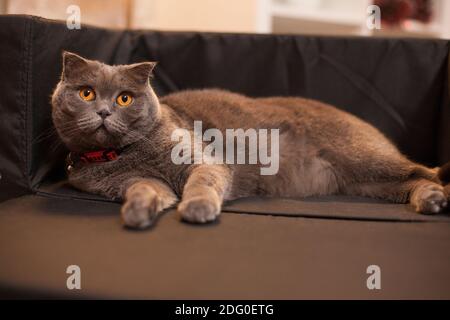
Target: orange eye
{"points": [[124, 99], [87, 94]]}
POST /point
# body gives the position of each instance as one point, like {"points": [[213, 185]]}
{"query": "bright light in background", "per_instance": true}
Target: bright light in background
{"points": [[429, 18]]}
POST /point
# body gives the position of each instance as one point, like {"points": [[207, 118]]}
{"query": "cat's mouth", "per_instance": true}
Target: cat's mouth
{"points": [[102, 133], [102, 136], [106, 129], [101, 128]]}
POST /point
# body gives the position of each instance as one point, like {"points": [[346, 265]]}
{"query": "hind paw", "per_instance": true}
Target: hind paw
{"points": [[430, 199]]}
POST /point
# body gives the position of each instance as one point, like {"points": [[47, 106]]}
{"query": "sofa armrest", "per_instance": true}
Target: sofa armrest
{"points": [[15, 105]]}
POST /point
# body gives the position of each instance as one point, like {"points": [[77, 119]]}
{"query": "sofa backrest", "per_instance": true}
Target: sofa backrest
{"points": [[399, 85]]}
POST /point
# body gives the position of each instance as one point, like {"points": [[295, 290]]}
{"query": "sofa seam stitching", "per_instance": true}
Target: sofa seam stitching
{"points": [[23, 104]]}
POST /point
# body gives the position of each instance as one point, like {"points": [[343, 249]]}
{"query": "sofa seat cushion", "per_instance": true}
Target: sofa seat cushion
{"points": [[241, 256]]}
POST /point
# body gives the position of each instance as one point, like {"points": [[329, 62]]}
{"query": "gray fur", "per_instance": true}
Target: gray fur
{"points": [[323, 150]]}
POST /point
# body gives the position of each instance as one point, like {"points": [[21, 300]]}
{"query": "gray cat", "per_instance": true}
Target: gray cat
{"points": [[322, 150]]}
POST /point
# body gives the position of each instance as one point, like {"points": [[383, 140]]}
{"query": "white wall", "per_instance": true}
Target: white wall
{"points": [[201, 15], [107, 13]]}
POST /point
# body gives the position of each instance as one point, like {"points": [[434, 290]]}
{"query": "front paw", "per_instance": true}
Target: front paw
{"points": [[139, 212], [199, 209]]}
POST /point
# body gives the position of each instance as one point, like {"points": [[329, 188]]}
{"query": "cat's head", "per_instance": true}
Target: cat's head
{"points": [[101, 106]]}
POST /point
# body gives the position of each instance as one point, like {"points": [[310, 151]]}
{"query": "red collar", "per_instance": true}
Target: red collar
{"points": [[97, 156]]}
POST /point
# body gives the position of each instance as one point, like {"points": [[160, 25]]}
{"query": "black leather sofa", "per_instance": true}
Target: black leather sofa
{"points": [[259, 248]]}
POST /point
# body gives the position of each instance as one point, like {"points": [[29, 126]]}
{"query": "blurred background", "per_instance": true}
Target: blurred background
{"points": [[416, 18]]}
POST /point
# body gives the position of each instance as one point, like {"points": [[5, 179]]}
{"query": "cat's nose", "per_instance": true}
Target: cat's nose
{"points": [[104, 113]]}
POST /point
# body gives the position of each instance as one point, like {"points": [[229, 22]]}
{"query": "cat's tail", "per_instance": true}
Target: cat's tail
{"points": [[444, 177], [444, 173]]}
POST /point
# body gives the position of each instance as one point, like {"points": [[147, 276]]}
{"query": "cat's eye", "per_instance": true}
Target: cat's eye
{"points": [[87, 94], [124, 99]]}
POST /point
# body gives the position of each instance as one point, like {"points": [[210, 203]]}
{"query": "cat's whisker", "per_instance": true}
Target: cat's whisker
{"points": [[140, 136], [51, 133], [86, 118], [42, 137]]}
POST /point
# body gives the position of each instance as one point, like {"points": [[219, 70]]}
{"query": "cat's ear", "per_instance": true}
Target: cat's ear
{"points": [[140, 72], [73, 64]]}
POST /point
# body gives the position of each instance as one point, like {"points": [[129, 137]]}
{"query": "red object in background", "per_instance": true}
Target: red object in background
{"points": [[424, 11], [395, 12]]}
